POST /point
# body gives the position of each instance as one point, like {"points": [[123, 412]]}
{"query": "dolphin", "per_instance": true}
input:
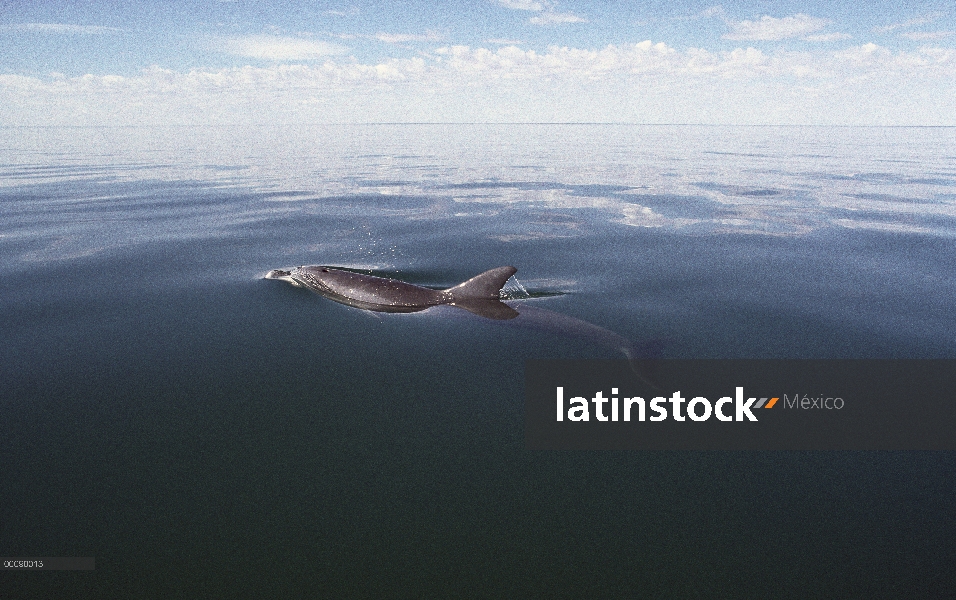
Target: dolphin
{"points": [[480, 295]]}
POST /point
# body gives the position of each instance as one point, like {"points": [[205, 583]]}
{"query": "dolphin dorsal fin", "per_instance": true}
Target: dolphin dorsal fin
{"points": [[485, 285]]}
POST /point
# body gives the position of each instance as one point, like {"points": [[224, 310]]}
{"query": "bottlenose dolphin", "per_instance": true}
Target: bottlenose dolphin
{"points": [[479, 295]]}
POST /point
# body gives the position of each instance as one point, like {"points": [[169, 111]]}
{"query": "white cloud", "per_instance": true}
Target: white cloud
{"points": [[512, 63], [828, 37], [910, 23], [401, 38], [713, 11], [553, 18], [771, 28], [927, 35], [269, 47], [62, 28], [708, 13], [548, 13], [522, 5], [645, 82]]}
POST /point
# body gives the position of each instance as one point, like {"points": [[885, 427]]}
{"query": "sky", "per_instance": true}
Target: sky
{"points": [[148, 62]]}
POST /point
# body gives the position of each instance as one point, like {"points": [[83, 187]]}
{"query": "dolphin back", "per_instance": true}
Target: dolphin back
{"points": [[487, 285]]}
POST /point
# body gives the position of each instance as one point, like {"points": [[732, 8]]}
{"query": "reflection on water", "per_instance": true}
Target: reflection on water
{"points": [[546, 181], [753, 241], [667, 230]]}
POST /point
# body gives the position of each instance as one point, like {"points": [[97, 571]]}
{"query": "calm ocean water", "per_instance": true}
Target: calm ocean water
{"points": [[202, 431]]}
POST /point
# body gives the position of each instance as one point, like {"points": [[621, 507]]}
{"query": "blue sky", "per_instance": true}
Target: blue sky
{"points": [[485, 60]]}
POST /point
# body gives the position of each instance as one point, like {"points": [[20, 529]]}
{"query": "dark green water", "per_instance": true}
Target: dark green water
{"points": [[204, 432]]}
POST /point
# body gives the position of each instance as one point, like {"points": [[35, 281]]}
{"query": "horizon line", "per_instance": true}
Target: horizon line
{"points": [[361, 123]]}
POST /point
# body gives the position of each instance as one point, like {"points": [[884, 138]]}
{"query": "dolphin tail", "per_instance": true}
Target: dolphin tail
{"points": [[644, 361], [484, 286]]}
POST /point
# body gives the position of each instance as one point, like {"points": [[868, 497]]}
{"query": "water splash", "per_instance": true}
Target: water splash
{"points": [[513, 290]]}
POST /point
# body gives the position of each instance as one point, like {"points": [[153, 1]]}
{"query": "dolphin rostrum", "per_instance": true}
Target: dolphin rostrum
{"points": [[479, 295]]}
